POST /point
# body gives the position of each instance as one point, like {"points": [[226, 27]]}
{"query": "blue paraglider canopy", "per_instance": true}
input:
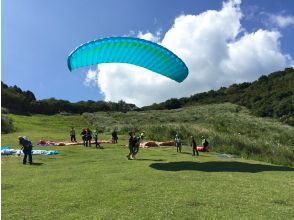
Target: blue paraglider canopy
{"points": [[129, 50]]}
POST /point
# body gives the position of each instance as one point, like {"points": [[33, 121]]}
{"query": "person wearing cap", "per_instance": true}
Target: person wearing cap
{"points": [[142, 136], [27, 149], [194, 146]]}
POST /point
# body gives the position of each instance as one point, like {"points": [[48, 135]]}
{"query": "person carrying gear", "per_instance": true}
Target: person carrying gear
{"points": [[194, 146], [137, 142], [27, 149]]}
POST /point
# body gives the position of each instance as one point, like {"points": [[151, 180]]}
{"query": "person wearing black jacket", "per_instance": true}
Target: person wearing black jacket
{"points": [[132, 141], [88, 137], [84, 136], [27, 149], [194, 146]]}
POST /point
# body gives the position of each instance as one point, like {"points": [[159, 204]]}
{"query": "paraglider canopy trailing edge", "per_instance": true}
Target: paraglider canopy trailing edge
{"points": [[129, 50]]}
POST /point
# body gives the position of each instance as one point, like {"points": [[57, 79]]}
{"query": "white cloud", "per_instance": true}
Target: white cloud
{"points": [[91, 78], [214, 46], [281, 21]]}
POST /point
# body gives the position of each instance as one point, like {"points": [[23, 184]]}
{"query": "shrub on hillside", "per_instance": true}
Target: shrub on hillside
{"points": [[6, 124]]}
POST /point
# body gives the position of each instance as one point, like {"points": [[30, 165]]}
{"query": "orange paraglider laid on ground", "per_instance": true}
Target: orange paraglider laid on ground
{"points": [[66, 143]]}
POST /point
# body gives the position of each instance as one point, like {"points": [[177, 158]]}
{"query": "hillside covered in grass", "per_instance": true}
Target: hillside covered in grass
{"points": [[269, 96], [228, 127]]}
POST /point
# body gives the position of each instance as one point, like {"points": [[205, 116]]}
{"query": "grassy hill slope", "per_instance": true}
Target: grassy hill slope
{"points": [[86, 183], [228, 127], [269, 96]]}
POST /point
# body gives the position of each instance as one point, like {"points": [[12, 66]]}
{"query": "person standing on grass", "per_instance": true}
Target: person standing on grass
{"points": [[27, 149], [84, 136], [205, 144], [72, 135], [178, 143], [142, 136], [131, 145], [194, 146], [88, 137], [96, 138], [114, 136]]}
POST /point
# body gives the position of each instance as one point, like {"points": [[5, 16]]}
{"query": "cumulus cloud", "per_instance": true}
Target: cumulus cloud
{"points": [[281, 21], [214, 46], [91, 78]]}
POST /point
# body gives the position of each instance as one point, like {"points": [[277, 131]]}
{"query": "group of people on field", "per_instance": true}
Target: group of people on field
{"points": [[134, 143], [87, 137], [178, 144]]}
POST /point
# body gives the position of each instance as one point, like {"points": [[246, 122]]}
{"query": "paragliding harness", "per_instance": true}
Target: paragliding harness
{"points": [[136, 144]]}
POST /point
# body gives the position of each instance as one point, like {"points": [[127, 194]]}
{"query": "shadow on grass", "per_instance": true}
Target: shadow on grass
{"points": [[37, 164], [150, 159], [218, 166]]}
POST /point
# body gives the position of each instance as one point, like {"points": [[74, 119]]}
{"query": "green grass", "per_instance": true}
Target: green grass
{"points": [[86, 183]]}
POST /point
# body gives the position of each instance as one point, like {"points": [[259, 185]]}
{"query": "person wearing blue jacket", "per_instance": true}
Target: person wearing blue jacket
{"points": [[27, 149]]}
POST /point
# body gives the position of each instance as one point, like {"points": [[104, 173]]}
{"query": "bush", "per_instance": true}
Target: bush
{"points": [[6, 125]]}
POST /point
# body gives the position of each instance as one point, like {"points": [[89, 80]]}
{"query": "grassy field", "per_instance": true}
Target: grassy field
{"points": [[89, 183]]}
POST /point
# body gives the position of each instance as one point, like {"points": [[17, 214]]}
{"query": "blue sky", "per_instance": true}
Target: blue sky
{"points": [[38, 35]]}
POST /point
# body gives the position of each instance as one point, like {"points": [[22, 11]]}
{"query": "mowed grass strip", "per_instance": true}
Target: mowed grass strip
{"points": [[89, 183]]}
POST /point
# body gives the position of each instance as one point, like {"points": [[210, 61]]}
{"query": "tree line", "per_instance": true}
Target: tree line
{"points": [[269, 96], [24, 103]]}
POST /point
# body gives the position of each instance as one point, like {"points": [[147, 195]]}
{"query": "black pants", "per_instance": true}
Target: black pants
{"points": [[88, 142], [73, 138], [84, 140], [96, 142], [27, 154], [195, 150]]}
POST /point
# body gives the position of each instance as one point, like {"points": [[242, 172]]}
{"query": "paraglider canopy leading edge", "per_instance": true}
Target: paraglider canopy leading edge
{"points": [[129, 50]]}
